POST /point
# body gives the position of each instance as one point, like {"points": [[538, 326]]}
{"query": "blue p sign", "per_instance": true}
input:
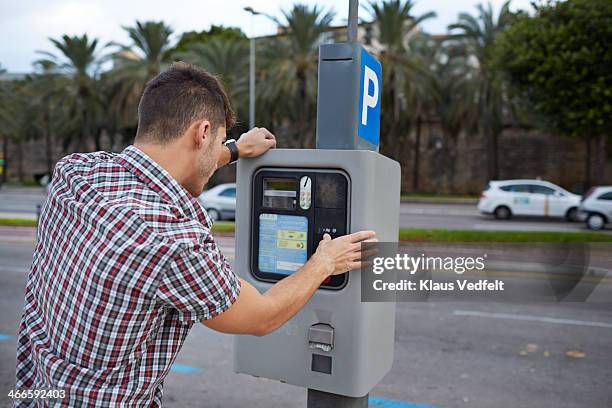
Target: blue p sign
{"points": [[369, 99]]}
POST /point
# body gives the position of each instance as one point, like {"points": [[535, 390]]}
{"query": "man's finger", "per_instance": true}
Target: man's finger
{"points": [[267, 133], [361, 236], [356, 265], [362, 255]]}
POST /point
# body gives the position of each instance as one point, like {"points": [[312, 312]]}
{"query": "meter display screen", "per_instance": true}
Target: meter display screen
{"points": [[279, 193], [282, 243]]}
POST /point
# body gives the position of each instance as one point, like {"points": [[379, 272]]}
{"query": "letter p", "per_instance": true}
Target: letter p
{"points": [[369, 100]]}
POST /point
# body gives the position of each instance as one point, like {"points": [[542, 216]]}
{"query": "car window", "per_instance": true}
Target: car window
{"points": [[229, 192], [516, 188], [541, 189], [606, 196]]}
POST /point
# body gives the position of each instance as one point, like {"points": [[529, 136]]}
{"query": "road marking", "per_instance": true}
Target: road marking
{"points": [[184, 369], [530, 318], [12, 269], [388, 403], [5, 337]]}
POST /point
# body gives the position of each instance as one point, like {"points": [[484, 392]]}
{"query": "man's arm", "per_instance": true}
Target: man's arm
{"points": [[260, 314], [253, 143]]}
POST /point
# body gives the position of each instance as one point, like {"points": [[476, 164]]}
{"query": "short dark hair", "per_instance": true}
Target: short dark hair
{"points": [[176, 98]]}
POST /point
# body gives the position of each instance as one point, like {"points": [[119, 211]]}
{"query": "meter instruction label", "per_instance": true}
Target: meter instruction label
{"points": [[282, 243]]}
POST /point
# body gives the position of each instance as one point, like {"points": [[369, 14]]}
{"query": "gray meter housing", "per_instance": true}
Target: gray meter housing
{"points": [[336, 343]]}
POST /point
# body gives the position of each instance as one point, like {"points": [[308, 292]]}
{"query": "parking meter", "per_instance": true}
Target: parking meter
{"points": [[286, 200]]}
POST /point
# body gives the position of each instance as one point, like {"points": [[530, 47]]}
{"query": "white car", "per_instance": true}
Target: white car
{"points": [[596, 207], [220, 202], [506, 198]]}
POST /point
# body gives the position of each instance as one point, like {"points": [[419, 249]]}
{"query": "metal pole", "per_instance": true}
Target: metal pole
{"points": [[352, 20], [252, 79], [320, 399]]}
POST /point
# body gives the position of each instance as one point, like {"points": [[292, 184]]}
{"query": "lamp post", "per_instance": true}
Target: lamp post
{"points": [[253, 13], [251, 70]]}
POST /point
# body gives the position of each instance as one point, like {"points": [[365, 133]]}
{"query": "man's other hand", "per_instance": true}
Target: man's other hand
{"points": [[255, 142]]}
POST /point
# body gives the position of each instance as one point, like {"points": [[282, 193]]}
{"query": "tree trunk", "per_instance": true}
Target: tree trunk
{"points": [[602, 153], [451, 161], [491, 139], [587, 164], [5, 157], [417, 156], [20, 174], [48, 147], [304, 133], [97, 141]]}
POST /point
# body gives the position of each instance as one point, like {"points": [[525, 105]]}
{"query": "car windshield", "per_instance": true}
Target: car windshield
{"points": [[228, 192], [606, 196]]}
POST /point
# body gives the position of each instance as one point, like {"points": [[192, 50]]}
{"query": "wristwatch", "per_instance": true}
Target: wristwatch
{"points": [[231, 145]]}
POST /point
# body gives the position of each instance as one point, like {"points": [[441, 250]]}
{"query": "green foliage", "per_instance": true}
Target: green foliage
{"points": [[560, 61], [287, 67], [70, 80], [215, 32], [475, 37], [403, 79], [441, 235], [227, 58]]}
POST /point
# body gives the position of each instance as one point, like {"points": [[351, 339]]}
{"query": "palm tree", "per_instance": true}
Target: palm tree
{"points": [[478, 35], [227, 58], [77, 70], [134, 65], [150, 48], [9, 117], [47, 89], [454, 94], [418, 63], [290, 68], [18, 117], [396, 23]]}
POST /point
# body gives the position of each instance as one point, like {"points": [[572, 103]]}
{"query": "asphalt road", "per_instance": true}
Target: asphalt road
{"points": [[16, 202], [463, 354]]}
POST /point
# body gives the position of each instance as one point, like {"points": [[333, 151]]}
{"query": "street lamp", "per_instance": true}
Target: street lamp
{"points": [[253, 13], [251, 70]]}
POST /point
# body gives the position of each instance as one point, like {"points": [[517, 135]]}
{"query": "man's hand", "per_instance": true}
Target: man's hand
{"points": [[342, 254], [255, 142], [254, 313]]}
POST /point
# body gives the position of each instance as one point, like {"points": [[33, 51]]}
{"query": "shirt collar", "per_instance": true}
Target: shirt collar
{"points": [[160, 181]]}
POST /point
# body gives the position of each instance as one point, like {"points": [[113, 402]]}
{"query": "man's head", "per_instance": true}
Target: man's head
{"points": [[185, 111]]}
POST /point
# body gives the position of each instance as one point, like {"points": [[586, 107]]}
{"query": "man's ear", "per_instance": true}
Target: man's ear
{"points": [[201, 132]]}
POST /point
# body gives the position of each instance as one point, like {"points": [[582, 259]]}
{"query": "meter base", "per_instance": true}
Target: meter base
{"points": [[320, 399]]}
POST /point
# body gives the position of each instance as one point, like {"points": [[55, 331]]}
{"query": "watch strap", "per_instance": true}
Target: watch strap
{"points": [[231, 145]]}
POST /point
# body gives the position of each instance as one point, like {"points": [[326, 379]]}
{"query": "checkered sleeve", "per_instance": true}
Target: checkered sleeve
{"points": [[199, 283]]}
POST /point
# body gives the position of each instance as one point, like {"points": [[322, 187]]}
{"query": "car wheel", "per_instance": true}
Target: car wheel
{"points": [[213, 214], [502, 213], [572, 214], [595, 222]]}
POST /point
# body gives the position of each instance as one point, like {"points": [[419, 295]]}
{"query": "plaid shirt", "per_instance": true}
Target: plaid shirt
{"points": [[125, 264]]}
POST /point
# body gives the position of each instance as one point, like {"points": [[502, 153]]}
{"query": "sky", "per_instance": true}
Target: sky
{"points": [[26, 25]]}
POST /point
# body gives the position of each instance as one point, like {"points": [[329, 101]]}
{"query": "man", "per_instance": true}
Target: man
{"points": [[125, 262]]}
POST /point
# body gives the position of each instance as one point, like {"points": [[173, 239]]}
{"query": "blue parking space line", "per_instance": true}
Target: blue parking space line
{"points": [[388, 403], [5, 337], [184, 369]]}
